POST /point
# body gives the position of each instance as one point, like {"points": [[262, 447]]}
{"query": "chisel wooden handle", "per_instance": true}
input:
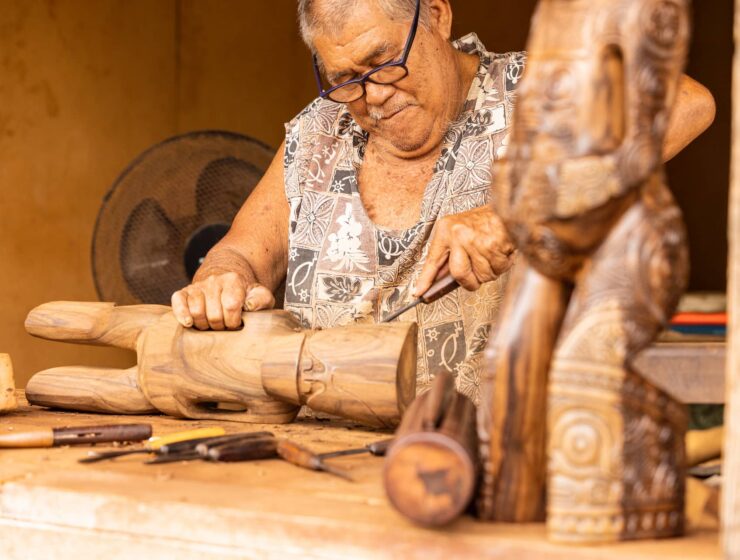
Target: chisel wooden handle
{"points": [[250, 449], [298, 455], [76, 435], [232, 439], [439, 289], [302, 457], [102, 434]]}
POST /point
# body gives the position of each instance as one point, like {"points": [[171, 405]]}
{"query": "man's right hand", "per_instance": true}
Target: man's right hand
{"points": [[217, 301]]}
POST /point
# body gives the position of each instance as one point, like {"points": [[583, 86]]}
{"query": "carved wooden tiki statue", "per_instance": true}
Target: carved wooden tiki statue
{"points": [[603, 264]]}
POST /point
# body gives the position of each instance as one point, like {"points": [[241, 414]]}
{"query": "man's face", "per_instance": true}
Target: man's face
{"points": [[411, 114]]}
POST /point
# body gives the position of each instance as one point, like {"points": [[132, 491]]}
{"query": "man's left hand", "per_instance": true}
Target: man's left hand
{"points": [[473, 245]]}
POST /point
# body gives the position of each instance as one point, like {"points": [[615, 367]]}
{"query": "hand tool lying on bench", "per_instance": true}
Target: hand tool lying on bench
{"points": [[252, 447], [249, 446], [155, 444], [439, 289], [377, 448], [302, 457], [77, 435]]}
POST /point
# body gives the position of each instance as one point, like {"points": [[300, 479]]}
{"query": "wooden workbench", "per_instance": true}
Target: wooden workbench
{"points": [[51, 507]]}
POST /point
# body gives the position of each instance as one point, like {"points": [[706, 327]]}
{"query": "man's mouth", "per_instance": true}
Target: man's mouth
{"points": [[378, 116]]}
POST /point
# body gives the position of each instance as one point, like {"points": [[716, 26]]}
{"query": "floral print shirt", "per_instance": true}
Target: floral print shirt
{"points": [[342, 268]]}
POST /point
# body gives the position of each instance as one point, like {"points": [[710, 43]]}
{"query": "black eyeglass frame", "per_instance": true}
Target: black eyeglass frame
{"points": [[367, 77]]}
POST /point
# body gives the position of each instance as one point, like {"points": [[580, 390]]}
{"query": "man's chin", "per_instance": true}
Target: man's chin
{"points": [[407, 143], [403, 133]]}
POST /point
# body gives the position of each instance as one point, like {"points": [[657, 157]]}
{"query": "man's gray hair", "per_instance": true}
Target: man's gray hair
{"points": [[334, 13]]}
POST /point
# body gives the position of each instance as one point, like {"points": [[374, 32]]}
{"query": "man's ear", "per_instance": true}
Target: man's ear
{"points": [[440, 15]]}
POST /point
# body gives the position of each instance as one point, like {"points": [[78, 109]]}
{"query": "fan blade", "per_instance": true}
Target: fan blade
{"points": [[150, 247]]}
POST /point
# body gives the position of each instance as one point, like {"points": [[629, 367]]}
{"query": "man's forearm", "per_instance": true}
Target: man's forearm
{"points": [[222, 260]]}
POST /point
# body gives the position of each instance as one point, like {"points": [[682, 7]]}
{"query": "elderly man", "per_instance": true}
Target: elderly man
{"points": [[390, 168]]}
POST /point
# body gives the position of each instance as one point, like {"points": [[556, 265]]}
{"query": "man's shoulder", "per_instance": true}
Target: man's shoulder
{"points": [[498, 78], [321, 115], [504, 63]]}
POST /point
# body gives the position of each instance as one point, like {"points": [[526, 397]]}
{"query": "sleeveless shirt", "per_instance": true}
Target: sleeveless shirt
{"points": [[342, 268]]}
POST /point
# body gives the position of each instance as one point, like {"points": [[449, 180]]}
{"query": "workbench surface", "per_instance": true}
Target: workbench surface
{"points": [[52, 507]]}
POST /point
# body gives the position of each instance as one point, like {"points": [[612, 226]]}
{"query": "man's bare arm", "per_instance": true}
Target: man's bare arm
{"points": [[243, 269], [474, 245]]}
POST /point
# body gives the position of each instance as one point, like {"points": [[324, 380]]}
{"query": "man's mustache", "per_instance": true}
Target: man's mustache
{"points": [[379, 113]]}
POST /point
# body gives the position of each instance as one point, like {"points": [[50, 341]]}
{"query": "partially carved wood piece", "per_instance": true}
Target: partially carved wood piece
{"points": [[431, 469], [8, 401], [583, 195], [261, 373]]}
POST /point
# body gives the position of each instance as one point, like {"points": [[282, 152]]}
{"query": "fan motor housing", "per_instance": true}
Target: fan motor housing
{"points": [[167, 209]]}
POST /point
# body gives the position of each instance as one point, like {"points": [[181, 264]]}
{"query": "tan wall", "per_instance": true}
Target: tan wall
{"points": [[85, 85]]}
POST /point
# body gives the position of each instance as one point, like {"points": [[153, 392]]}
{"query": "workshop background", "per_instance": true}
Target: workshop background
{"points": [[87, 85]]}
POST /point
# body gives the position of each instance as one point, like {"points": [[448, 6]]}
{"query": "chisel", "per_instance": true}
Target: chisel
{"points": [[439, 289], [77, 435], [302, 457], [156, 443], [378, 448], [200, 449], [250, 449]]}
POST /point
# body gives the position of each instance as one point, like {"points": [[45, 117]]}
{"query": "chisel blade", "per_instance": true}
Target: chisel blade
{"points": [[398, 312]]}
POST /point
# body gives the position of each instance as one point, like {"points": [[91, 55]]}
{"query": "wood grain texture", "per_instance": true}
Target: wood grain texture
{"points": [[87, 389], [731, 496], [514, 396], [583, 195], [263, 372], [691, 372], [7, 385], [431, 469], [53, 507]]}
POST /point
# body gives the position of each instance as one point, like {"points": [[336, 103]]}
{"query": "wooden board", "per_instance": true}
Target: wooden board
{"points": [[731, 503], [53, 507], [691, 371]]}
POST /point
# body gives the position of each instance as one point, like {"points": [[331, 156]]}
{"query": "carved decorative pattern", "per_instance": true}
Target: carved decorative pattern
{"points": [[583, 196]]}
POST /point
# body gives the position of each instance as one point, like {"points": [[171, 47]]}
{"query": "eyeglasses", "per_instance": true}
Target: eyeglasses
{"points": [[385, 74]]}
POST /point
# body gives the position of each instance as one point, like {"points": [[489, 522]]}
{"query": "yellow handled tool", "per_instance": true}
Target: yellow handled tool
{"points": [[157, 442]]}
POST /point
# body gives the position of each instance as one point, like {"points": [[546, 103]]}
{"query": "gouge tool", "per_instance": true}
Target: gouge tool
{"points": [[377, 448], [302, 457], [247, 446], [155, 444], [439, 289]]}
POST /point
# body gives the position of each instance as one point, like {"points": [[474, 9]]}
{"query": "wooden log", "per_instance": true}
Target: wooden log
{"points": [[431, 468], [261, 373], [731, 492]]}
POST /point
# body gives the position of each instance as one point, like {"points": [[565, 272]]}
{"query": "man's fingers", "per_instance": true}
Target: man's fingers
{"points": [[232, 302], [214, 311], [461, 269], [180, 308], [259, 297], [433, 267], [482, 268], [502, 262], [197, 305]]}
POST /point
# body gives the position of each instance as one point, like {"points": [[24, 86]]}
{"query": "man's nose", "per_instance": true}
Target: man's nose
{"points": [[377, 94]]}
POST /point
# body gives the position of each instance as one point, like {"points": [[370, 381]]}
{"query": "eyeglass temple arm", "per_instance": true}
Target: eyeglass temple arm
{"points": [[412, 35], [317, 75]]}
